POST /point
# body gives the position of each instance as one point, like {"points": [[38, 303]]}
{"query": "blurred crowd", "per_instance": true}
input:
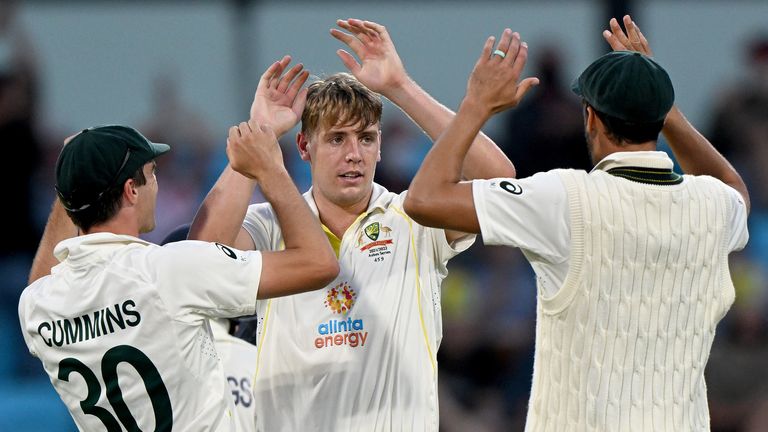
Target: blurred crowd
{"points": [[489, 298]]}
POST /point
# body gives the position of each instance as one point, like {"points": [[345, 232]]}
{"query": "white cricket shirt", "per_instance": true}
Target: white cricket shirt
{"points": [[121, 328], [623, 338], [238, 359], [359, 355]]}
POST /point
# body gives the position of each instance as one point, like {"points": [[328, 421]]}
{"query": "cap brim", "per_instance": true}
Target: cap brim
{"points": [[575, 87], [159, 148]]}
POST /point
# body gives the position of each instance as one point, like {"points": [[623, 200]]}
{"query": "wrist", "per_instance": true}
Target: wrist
{"points": [[473, 108], [400, 89]]}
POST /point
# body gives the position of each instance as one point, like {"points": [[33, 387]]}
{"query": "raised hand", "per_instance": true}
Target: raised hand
{"points": [[253, 150], [380, 68], [494, 84], [631, 40], [280, 99]]}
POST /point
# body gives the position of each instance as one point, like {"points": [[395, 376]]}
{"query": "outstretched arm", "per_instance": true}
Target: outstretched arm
{"points": [[693, 151], [278, 102], [381, 70], [437, 197], [254, 152]]}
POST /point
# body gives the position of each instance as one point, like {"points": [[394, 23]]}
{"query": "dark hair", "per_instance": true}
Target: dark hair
{"points": [[106, 207], [629, 132]]}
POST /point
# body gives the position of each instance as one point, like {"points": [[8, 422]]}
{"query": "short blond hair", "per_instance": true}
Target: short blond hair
{"points": [[339, 99]]}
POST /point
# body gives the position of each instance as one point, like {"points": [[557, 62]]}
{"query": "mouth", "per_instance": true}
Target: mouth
{"points": [[351, 177]]}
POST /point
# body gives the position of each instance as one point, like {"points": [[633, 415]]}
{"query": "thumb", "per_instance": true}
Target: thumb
{"points": [[348, 61], [524, 86], [267, 129]]}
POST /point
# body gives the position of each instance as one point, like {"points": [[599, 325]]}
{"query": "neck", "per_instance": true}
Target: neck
{"points": [[339, 217], [609, 147], [119, 224]]}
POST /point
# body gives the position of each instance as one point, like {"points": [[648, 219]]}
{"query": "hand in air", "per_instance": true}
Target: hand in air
{"points": [[253, 150], [631, 40], [495, 84], [380, 68], [279, 100]]}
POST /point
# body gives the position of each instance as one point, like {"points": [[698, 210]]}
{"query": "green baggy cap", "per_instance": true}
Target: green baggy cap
{"points": [[627, 85], [99, 158]]}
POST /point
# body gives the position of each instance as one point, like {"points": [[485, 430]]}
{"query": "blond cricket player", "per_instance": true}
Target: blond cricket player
{"points": [[361, 354]]}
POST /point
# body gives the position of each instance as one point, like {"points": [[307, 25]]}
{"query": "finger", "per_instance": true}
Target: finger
{"points": [[274, 79], [618, 33], [244, 128], [234, 133], [267, 75], [366, 36], [524, 86], [520, 59], [504, 41], [643, 41], [286, 80], [514, 49], [486, 54], [253, 125], [351, 41], [376, 27], [295, 87], [349, 61], [632, 33], [300, 102], [613, 41]]}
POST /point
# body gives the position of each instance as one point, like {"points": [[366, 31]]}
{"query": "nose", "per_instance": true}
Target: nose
{"points": [[353, 152]]}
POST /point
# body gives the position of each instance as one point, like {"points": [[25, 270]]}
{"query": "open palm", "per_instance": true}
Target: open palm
{"points": [[380, 68], [280, 99]]}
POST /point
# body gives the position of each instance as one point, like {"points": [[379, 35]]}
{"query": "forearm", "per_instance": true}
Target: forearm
{"points": [[221, 214], [483, 160], [697, 156], [59, 227], [441, 170]]}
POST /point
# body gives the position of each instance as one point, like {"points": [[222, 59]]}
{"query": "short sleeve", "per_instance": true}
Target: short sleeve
{"points": [[23, 321], [531, 214], [208, 279], [441, 249], [259, 223], [737, 220]]}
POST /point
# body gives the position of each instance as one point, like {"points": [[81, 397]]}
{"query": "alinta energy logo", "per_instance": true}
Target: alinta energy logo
{"points": [[346, 331]]}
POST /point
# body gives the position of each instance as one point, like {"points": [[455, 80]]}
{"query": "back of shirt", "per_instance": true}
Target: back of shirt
{"points": [[120, 327]]}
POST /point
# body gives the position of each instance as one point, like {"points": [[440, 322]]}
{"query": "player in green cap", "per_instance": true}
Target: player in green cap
{"points": [[122, 325], [631, 258]]}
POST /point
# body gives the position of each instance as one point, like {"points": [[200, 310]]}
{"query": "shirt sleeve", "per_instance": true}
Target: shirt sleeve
{"points": [[23, 321], [209, 279], [259, 223], [531, 214], [737, 220]]}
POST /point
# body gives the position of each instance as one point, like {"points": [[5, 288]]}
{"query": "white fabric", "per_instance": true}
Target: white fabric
{"points": [[363, 359], [623, 342], [238, 359], [537, 218], [159, 300]]}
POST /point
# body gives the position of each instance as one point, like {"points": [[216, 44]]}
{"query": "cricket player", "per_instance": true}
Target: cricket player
{"points": [[238, 357], [121, 325], [359, 355], [631, 258]]}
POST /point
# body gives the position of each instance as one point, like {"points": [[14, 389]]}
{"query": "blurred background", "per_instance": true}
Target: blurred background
{"points": [[184, 71]]}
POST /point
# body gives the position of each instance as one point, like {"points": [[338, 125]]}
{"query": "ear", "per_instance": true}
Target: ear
{"points": [[378, 157], [591, 118], [130, 193], [302, 143]]}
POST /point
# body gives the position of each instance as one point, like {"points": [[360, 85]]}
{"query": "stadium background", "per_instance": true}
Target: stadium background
{"points": [[183, 71]]}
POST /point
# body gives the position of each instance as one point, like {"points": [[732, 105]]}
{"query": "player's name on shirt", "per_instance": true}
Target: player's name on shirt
{"points": [[340, 332], [68, 331]]}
